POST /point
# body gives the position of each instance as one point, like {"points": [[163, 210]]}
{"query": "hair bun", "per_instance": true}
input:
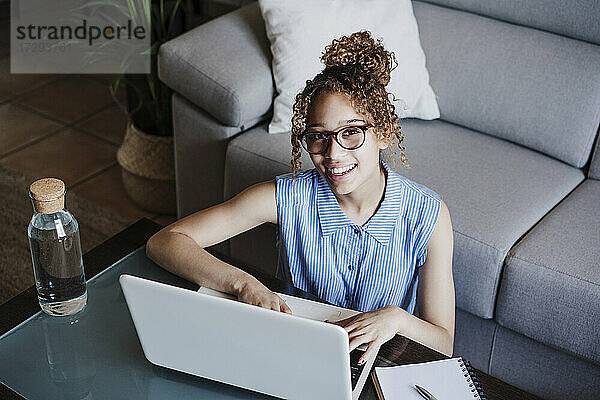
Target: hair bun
{"points": [[362, 50]]}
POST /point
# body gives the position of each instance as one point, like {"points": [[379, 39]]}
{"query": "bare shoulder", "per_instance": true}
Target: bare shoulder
{"points": [[442, 231], [444, 214]]}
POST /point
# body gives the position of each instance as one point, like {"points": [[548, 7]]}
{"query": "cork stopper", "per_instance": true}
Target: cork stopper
{"points": [[47, 195]]}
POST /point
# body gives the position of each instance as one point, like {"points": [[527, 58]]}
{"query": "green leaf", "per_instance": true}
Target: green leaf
{"points": [[162, 12], [132, 11], [108, 3], [150, 80], [173, 14], [108, 17], [151, 50], [147, 11]]}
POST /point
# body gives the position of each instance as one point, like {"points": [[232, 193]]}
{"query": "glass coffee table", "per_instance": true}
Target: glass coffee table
{"points": [[95, 354]]}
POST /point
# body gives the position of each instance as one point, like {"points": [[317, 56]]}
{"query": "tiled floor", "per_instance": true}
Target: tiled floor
{"points": [[66, 126]]}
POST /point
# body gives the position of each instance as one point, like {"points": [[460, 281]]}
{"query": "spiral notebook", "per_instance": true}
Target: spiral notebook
{"points": [[451, 379]]}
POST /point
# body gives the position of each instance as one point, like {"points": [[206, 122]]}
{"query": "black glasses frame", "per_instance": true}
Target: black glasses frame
{"points": [[335, 135]]}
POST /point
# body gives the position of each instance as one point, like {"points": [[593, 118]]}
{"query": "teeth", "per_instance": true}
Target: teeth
{"points": [[339, 171]]}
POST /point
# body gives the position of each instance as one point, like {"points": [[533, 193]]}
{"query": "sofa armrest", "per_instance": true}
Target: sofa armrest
{"points": [[223, 66]]}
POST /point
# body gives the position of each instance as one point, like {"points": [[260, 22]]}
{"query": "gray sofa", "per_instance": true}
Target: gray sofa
{"points": [[518, 86]]}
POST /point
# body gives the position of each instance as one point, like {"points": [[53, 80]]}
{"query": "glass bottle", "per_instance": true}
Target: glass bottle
{"points": [[55, 250]]}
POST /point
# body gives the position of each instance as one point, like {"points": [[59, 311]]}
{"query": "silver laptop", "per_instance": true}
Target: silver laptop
{"points": [[208, 334]]}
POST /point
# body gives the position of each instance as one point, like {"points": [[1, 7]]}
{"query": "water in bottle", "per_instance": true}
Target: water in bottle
{"points": [[55, 250]]}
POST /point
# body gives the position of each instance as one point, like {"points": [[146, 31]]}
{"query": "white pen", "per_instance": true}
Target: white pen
{"points": [[425, 393]]}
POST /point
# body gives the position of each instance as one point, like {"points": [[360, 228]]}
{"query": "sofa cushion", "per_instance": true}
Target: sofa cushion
{"points": [[495, 190], [256, 156], [550, 288], [227, 77], [531, 87], [473, 338], [541, 370], [577, 19]]}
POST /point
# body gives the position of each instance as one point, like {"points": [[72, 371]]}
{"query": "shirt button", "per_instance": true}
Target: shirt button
{"points": [[350, 267], [356, 230]]}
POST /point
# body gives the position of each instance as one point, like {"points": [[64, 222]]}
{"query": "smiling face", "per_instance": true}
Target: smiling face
{"points": [[346, 171]]}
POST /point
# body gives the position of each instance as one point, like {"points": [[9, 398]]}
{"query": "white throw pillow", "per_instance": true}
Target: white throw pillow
{"points": [[299, 30]]}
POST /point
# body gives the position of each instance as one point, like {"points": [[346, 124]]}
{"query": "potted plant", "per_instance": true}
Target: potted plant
{"points": [[146, 154]]}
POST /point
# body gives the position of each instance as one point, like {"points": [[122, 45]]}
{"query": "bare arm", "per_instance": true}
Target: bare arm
{"points": [[179, 247], [435, 292]]}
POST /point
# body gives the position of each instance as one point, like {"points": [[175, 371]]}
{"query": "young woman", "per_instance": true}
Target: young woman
{"points": [[350, 230]]}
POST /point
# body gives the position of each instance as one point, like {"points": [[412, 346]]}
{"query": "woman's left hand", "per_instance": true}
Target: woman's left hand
{"points": [[374, 327]]}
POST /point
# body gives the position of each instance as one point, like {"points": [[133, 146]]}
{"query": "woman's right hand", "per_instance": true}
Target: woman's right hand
{"points": [[255, 293]]}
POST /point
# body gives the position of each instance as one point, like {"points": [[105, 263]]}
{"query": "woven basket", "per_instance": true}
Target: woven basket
{"points": [[148, 170]]}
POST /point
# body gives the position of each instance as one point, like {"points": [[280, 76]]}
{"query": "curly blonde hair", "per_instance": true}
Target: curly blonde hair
{"points": [[359, 67]]}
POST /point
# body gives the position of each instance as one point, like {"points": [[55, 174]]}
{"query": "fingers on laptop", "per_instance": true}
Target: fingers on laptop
{"points": [[356, 341], [276, 304], [372, 348], [343, 322], [270, 305], [283, 307]]}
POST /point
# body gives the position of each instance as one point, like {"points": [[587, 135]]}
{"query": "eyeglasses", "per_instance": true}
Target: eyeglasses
{"points": [[349, 137]]}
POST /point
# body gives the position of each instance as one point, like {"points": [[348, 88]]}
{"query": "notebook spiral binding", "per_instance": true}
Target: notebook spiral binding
{"points": [[472, 379]]}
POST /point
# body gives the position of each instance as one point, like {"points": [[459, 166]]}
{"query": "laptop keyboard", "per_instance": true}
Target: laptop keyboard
{"points": [[355, 369]]}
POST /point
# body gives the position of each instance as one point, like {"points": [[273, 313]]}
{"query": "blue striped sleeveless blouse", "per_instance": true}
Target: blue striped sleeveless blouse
{"points": [[360, 267]]}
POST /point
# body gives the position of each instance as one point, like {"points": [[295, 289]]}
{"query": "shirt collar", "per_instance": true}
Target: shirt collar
{"points": [[380, 226]]}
